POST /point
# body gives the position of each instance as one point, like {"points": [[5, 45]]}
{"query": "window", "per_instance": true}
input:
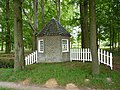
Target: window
{"points": [[65, 45], [40, 46]]}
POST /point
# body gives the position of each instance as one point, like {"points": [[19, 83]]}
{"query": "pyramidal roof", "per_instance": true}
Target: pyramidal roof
{"points": [[53, 28]]}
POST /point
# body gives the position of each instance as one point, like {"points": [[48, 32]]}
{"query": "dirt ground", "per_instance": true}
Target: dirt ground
{"points": [[17, 86], [21, 86], [116, 63]]}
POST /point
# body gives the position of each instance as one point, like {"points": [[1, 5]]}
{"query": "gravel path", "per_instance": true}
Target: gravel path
{"points": [[23, 87]]}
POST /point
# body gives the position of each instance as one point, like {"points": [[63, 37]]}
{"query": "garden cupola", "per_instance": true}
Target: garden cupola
{"points": [[53, 43]]}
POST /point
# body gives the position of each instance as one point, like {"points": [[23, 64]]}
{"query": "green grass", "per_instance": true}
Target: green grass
{"points": [[68, 72], [2, 88]]}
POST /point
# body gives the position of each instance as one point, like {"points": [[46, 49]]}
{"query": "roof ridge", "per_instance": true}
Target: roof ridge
{"points": [[53, 28]]}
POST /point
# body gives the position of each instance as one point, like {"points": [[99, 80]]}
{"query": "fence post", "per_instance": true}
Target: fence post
{"points": [[36, 54], [111, 61], [79, 54], [83, 55], [33, 57], [90, 55], [28, 58], [107, 58], [104, 57], [86, 55], [99, 55], [70, 55], [25, 60]]}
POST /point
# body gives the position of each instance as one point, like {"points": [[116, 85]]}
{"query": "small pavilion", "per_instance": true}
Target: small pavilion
{"points": [[53, 43]]}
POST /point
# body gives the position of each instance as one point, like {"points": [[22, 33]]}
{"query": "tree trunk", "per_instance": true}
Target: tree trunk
{"points": [[86, 34], [58, 9], [8, 46], [2, 40], [34, 39], [110, 36], [119, 41], [113, 39], [93, 44], [42, 10], [118, 27], [99, 37], [18, 36], [84, 23]]}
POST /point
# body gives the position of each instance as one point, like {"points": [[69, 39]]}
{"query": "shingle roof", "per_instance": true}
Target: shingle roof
{"points": [[54, 28]]}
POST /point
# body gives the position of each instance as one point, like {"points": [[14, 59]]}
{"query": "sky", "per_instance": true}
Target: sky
{"points": [[75, 31]]}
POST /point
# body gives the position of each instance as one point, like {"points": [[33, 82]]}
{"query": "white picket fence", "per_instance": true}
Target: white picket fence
{"points": [[31, 58], [83, 55]]}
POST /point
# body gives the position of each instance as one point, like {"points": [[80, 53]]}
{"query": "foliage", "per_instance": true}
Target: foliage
{"points": [[108, 19], [69, 72], [6, 63]]}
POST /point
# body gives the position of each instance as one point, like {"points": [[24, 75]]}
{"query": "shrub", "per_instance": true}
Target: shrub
{"points": [[6, 63]]}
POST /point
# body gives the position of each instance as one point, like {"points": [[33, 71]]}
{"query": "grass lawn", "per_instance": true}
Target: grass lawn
{"points": [[1, 88], [68, 72]]}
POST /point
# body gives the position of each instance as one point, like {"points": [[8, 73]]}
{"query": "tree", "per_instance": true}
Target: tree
{"points": [[2, 23], [84, 23], [18, 36], [107, 21], [108, 17], [34, 26], [2, 39], [30, 19], [119, 41], [42, 12], [93, 43], [8, 46], [58, 9], [35, 6]]}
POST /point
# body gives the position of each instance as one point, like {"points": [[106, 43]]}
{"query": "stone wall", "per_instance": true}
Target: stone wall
{"points": [[53, 50]]}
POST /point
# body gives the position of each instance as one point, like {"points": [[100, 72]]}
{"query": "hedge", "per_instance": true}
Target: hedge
{"points": [[6, 63]]}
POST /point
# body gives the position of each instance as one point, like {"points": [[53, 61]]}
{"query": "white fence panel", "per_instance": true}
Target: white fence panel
{"points": [[31, 58], [104, 57]]}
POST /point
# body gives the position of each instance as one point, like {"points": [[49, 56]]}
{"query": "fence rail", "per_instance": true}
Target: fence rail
{"points": [[83, 55], [31, 58]]}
